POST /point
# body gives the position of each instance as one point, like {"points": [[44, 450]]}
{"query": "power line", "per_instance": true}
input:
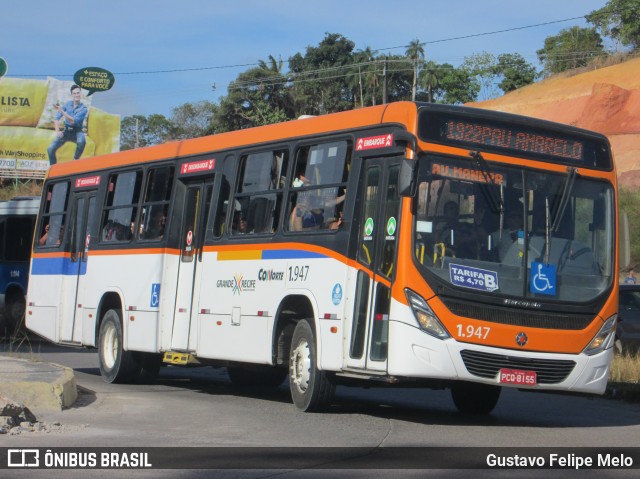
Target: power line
{"points": [[474, 35], [222, 67]]}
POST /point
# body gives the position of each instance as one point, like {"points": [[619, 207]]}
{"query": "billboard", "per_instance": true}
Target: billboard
{"points": [[28, 131]]}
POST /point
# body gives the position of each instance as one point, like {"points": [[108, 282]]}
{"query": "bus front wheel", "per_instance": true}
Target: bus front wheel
{"points": [[475, 398], [311, 389], [116, 364]]}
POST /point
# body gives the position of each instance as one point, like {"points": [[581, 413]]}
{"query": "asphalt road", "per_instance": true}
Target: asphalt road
{"points": [[198, 407]]}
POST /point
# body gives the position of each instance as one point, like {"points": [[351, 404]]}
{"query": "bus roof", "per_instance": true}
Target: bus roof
{"points": [[20, 205], [400, 112]]}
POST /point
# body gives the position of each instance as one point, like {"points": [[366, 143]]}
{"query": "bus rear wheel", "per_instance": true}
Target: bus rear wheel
{"points": [[475, 398], [116, 364], [311, 389], [14, 311]]}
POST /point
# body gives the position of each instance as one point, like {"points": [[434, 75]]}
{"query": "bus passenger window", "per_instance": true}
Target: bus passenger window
{"points": [[119, 216], [51, 229], [260, 190], [318, 189]]}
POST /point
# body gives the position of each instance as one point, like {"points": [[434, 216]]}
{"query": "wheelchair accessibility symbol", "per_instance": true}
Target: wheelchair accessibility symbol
{"points": [[543, 279]]}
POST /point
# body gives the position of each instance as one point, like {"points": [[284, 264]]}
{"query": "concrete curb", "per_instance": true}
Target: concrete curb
{"points": [[42, 387]]}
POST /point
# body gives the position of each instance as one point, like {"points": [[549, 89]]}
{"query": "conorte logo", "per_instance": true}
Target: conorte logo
{"points": [[23, 458]]}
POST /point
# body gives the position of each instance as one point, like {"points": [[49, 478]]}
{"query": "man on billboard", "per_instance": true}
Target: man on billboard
{"points": [[74, 113]]}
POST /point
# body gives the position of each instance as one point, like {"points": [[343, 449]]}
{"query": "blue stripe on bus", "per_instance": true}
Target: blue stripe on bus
{"points": [[290, 254], [51, 266]]}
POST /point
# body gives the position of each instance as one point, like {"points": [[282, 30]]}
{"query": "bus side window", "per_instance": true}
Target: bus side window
{"points": [[51, 230], [155, 206], [315, 205], [120, 211], [258, 199]]}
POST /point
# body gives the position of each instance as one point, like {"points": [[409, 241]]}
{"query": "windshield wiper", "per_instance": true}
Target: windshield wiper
{"points": [[559, 211], [564, 199], [491, 195]]}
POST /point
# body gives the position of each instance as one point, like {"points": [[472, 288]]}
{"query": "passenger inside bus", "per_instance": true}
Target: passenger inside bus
{"points": [[43, 239], [239, 224], [114, 231], [503, 240], [455, 235], [154, 230]]}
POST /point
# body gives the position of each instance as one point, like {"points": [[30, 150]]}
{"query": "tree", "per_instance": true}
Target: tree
{"points": [[399, 73], [515, 71], [415, 53], [258, 96], [138, 131], [192, 120], [430, 79], [320, 77], [571, 48], [482, 66], [620, 20], [458, 85]]}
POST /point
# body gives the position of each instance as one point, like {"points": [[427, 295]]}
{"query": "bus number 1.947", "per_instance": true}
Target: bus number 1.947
{"points": [[298, 273], [470, 331]]}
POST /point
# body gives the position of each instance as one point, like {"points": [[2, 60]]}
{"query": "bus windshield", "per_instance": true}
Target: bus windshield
{"points": [[514, 232]]}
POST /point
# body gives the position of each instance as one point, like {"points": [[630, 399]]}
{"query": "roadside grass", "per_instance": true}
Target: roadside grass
{"points": [[12, 188], [625, 368], [624, 377]]}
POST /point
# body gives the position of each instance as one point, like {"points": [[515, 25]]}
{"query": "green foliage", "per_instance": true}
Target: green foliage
{"points": [[571, 48], [482, 67], [458, 85], [139, 131], [620, 20], [629, 202], [320, 85], [191, 120], [515, 71]]}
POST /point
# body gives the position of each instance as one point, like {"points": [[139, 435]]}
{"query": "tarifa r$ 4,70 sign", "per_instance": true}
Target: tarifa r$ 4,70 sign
{"points": [[3, 67], [94, 79]]}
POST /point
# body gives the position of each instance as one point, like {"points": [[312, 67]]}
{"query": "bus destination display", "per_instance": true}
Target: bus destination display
{"points": [[515, 136], [508, 138]]}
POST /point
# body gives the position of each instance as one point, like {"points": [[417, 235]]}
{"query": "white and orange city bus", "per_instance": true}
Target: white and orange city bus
{"points": [[411, 244]]}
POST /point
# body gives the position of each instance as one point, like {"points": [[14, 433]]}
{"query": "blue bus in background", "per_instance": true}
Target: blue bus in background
{"points": [[17, 221]]}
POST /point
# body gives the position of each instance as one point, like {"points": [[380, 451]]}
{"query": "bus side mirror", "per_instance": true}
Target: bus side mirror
{"points": [[407, 180]]}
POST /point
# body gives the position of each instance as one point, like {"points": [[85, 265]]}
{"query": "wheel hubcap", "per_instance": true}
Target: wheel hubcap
{"points": [[301, 366], [110, 347]]}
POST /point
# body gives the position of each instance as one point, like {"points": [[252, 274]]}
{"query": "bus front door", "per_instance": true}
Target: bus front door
{"points": [[195, 212], [84, 209], [377, 229]]}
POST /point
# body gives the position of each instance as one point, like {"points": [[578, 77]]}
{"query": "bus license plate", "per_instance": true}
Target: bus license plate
{"points": [[518, 377]]}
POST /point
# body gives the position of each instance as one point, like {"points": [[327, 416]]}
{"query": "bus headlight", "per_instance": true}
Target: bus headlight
{"points": [[426, 318], [604, 338]]}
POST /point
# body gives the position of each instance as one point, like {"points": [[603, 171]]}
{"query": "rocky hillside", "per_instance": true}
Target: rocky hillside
{"points": [[606, 100]]}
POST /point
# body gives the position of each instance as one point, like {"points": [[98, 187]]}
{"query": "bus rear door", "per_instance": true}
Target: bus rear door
{"points": [[194, 215], [367, 335]]}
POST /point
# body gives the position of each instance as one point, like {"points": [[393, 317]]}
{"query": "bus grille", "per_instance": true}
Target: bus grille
{"points": [[519, 317], [485, 365]]}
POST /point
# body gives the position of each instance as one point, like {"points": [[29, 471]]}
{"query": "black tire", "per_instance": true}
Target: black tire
{"points": [[475, 398], [116, 364], [14, 312], [311, 389], [256, 377]]}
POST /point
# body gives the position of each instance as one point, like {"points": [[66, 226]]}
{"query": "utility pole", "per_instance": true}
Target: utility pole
{"points": [[384, 82]]}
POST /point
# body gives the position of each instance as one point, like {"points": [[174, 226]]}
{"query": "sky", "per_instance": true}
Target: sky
{"points": [[166, 53]]}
